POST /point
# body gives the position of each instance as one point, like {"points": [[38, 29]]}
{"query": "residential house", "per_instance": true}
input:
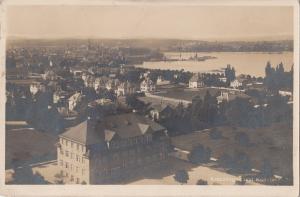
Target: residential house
{"points": [[112, 84], [161, 81], [229, 96], [49, 75], [107, 150], [236, 84], [125, 88], [74, 100], [196, 81], [161, 111], [35, 87], [147, 85]]}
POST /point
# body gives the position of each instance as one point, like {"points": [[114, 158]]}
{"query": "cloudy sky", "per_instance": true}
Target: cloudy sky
{"points": [[189, 22]]}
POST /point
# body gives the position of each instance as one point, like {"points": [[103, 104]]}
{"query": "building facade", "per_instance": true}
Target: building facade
{"points": [[147, 85], [196, 81]]}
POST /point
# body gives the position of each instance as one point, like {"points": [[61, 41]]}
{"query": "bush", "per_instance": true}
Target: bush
{"points": [[226, 161], [181, 176], [202, 182], [200, 154]]}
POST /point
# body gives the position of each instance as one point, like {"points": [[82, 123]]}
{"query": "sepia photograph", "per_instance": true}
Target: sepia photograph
{"points": [[148, 94]]}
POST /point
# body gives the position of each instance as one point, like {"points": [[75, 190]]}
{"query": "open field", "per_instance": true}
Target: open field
{"points": [[157, 176], [273, 143], [186, 94], [165, 176], [26, 145]]}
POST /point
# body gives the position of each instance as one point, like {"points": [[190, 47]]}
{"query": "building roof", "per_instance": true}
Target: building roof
{"points": [[130, 125], [124, 126], [84, 133]]}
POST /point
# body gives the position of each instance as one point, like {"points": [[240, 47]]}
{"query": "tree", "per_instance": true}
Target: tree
{"points": [[226, 161], [241, 162], [181, 176], [200, 154], [201, 182], [229, 73], [25, 175], [266, 171]]}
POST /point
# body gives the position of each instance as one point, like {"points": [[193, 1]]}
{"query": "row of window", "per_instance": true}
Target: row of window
{"points": [[70, 166], [71, 144], [130, 162], [72, 156], [72, 178], [136, 140]]}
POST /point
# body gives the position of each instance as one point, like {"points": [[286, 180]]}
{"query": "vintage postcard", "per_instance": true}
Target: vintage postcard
{"points": [[142, 98]]}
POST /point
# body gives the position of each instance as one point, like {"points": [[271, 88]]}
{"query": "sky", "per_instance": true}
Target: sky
{"points": [[174, 22]]}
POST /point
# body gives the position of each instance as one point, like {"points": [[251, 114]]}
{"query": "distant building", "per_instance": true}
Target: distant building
{"points": [[147, 85], [36, 87], [229, 96], [236, 84], [285, 93], [74, 100], [60, 96], [223, 79], [97, 152], [160, 111], [196, 81], [100, 82], [160, 81], [89, 81], [49, 75], [125, 88]]}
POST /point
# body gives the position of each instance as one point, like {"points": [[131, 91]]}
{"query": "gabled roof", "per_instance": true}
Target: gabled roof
{"points": [[121, 126], [130, 125], [84, 133]]}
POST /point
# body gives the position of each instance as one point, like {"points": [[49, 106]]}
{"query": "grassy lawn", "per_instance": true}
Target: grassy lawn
{"points": [[26, 145], [165, 176], [185, 94], [273, 143]]}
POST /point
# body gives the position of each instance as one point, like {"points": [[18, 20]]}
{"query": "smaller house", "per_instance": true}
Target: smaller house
{"points": [[125, 88], [147, 85], [160, 111], [196, 81], [161, 81], [49, 75], [229, 96], [236, 84], [112, 84], [60, 96], [35, 87], [223, 79], [89, 81], [100, 82], [74, 100], [285, 93]]}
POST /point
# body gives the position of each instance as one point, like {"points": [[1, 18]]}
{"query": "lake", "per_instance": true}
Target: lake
{"points": [[252, 63]]}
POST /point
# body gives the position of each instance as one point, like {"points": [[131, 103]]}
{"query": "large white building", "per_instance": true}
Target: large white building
{"points": [[105, 151]]}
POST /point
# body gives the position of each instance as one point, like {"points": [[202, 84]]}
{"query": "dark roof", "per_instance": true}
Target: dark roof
{"points": [[161, 107], [130, 125], [84, 133], [123, 125]]}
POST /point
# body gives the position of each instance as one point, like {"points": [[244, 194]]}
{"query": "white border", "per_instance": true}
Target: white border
{"points": [[153, 190]]}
